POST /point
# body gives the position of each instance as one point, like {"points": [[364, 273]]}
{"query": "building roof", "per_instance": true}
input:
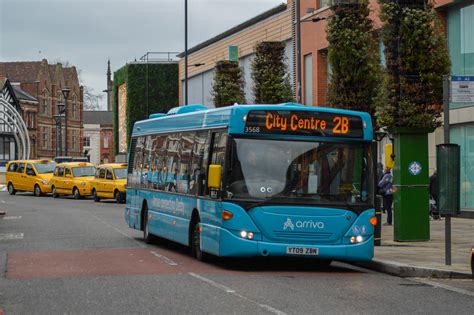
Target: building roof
{"points": [[22, 95], [20, 71], [265, 15], [98, 117]]}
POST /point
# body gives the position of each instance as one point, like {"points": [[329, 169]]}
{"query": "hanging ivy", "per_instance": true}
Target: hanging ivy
{"points": [[151, 88], [228, 85], [354, 57], [269, 73], [417, 58]]}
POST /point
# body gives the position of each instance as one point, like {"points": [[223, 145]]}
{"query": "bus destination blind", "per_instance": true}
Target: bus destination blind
{"points": [[305, 123]]}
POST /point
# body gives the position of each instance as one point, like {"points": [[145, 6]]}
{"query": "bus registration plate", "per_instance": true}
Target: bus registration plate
{"points": [[311, 251]]}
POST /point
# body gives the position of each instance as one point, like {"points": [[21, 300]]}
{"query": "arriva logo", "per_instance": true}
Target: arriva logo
{"points": [[288, 224], [303, 224]]}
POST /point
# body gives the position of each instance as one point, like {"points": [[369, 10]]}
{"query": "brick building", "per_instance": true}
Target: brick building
{"points": [[38, 85], [98, 136]]}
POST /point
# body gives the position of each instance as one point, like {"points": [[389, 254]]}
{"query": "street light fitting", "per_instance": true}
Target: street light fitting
{"points": [[314, 19], [65, 92], [62, 108], [57, 119]]}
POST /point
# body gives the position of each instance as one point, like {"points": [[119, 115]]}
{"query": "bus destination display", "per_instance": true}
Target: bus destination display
{"points": [[308, 123]]}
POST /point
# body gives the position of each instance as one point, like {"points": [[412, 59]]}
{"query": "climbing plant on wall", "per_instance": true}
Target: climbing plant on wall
{"points": [[151, 88], [417, 58], [353, 56], [269, 73], [228, 85]]}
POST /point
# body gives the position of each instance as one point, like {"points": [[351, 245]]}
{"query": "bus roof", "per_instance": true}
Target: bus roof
{"points": [[234, 118]]}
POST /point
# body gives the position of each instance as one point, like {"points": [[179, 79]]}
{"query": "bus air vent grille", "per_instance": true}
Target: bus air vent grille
{"points": [[303, 235]]}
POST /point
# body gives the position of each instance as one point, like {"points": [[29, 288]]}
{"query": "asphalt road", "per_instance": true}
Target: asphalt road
{"points": [[62, 256]]}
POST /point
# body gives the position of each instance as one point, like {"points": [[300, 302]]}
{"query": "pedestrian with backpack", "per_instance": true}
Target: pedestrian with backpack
{"points": [[386, 190]]}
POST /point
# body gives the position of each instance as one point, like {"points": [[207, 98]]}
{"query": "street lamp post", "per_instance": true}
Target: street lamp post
{"points": [[65, 94], [185, 52], [59, 149]]}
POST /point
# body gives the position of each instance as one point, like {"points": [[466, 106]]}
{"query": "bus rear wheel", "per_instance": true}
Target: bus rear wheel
{"points": [[11, 189], [37, 191], [149, 238], [196, 242]]}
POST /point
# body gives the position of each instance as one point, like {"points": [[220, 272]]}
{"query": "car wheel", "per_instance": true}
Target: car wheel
{"points": [[117, 197], [96, 198], [11, 189], [196, 242], [37, 191], [76, 193], [54, 192]]}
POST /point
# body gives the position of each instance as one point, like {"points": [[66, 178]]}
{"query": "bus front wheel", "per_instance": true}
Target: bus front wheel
{"points": [[196, 242]]}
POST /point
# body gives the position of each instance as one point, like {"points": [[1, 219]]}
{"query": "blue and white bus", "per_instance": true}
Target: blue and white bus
{"points": [[255, 180]]}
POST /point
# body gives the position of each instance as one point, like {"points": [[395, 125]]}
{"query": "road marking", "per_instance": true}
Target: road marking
{"points": [[140, 244], [443, 286], [233, 292], [12, 218], [11, 236], [164, 258], [7, 202]]}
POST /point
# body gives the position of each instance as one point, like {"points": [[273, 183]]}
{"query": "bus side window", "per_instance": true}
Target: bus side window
{"points": [[203, 142]]}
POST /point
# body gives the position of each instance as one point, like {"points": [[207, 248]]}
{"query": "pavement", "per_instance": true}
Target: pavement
{"points": [[427, 259]]}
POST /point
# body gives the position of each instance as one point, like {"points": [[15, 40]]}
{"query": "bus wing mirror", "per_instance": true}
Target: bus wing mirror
{"points": [[214, 177]]}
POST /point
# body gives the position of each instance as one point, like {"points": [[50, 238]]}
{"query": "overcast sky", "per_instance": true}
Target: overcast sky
{"points": [[88, 32]]}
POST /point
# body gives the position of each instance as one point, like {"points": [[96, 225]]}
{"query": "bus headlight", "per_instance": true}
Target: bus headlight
{"points": [[245, 234], [356, 239], [83, 184]]}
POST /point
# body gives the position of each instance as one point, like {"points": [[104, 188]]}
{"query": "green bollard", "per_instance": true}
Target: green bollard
{"points": [[411, 179]]}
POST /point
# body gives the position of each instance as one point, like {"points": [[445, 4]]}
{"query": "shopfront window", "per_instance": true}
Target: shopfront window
{"points": [[464, 136]]}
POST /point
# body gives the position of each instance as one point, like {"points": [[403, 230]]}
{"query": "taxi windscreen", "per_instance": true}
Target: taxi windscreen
{"points": [[83, 171], [45, 167]]}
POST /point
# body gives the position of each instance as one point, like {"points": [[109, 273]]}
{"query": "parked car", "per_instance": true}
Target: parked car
{"points": [[72, 178], [109, 182], [29, 175]]}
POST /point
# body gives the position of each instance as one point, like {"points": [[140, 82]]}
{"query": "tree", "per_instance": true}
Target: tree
{"points": [[228, 85], [417, 58], [91, 100], [353, 56], [269, 73]]}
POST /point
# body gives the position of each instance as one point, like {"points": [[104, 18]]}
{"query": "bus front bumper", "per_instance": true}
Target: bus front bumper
{"points": [[231, 245]]}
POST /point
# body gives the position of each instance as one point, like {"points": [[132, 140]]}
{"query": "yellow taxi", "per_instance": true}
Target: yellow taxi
{"points": [[29, 175], [72, 179], [109, 182]]}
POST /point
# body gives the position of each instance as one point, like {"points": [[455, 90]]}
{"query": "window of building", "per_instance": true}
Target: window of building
{"points": [[45, 103], [75, 139], [467, 25], [45, 137], [106, 142], [106, 160], [86, 141], [74, 107], [464, 136], [308, 80]]}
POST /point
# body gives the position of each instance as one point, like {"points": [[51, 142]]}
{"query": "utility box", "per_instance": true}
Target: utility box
{"points": [[448, 165]]}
